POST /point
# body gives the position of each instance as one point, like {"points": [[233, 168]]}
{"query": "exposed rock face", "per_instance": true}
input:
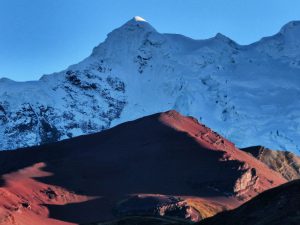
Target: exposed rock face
{"points": [[138, 71], [64, 105], [247, 181], [277, 206], [284, 162], [159, 205], [161, 165]]}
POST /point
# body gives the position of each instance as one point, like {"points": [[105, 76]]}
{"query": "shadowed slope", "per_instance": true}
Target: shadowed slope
{"points": [[277, 206], [165, 164], [144, 220]]}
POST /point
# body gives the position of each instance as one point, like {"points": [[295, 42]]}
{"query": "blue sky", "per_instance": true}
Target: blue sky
{"points": [[43, 36]]}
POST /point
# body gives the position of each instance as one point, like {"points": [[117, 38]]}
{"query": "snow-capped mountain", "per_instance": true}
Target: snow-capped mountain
{"points": [[250, 94]]}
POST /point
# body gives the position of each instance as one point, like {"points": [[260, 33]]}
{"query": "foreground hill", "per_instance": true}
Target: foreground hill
{"points": [[277, 206], [249, 94], [165, 165]]}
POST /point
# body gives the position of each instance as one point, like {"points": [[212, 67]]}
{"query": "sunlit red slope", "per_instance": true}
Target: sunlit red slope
{"points": [[164, 164]]}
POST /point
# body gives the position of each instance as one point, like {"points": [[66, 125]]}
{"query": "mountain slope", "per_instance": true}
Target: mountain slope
{"points": [[138, 71], [277, 206], [164, 164]]}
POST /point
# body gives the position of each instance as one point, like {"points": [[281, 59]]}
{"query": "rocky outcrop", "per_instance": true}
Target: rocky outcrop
{"points": [[79, 103], [284, 162], [247, 181], [191, 209]]}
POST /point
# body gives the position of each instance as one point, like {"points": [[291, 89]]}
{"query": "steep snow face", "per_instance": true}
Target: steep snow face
{"points": [[249, 94]]}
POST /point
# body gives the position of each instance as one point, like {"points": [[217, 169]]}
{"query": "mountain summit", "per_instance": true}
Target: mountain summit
{"points": [[139, 19], [292, 28], [249, 94]]}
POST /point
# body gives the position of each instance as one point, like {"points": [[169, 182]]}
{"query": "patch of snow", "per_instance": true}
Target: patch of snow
{"points": [[139, 19]]}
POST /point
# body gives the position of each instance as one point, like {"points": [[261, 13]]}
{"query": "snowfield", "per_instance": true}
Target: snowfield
{"points": [[250, 94]]}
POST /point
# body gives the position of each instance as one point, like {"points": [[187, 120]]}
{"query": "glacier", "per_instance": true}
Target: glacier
{"points": [[248, 93]]}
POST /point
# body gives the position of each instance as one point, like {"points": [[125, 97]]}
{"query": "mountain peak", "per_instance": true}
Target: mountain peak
{"points": [[5, 80], [137, 23], [132, 34], [224, 39], [139, 19], [291, 27]]}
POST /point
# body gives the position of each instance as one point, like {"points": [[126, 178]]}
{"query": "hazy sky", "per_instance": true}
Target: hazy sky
{"points": [[44, 36]]}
